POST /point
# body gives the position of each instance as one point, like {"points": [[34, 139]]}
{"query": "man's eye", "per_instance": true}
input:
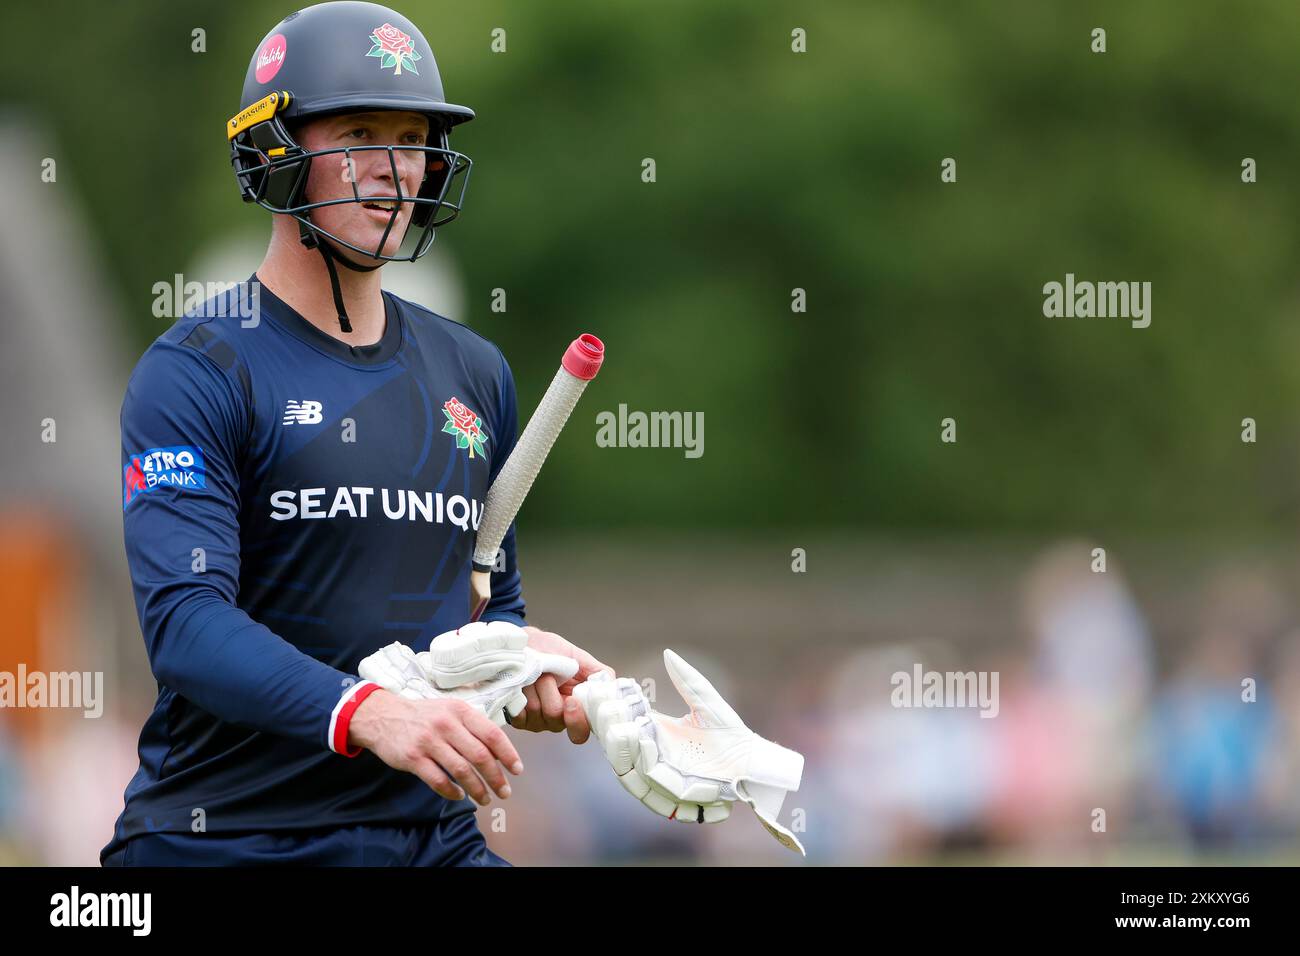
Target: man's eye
{"points": [[359, 132]]}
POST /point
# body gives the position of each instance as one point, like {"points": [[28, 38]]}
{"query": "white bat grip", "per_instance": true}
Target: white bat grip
{"points": [[520, 470]]}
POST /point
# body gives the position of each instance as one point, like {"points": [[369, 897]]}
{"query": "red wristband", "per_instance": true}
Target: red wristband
{"points": [[342, 716]]}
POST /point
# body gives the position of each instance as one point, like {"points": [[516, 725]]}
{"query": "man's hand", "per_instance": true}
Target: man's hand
{"points": [[436, 738], [551, 705]]}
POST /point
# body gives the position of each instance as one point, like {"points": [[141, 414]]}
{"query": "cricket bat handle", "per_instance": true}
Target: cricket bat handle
{"points": [[581, 362]]}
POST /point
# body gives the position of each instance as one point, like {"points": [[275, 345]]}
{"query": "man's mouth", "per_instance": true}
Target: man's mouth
{"points": [[387, 205]]}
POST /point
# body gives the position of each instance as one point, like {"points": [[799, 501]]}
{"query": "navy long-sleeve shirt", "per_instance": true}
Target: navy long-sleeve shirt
{"points": [[291, 504]]}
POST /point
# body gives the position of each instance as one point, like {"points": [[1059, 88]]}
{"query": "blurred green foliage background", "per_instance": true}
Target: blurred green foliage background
{"points": [[821, 171]]}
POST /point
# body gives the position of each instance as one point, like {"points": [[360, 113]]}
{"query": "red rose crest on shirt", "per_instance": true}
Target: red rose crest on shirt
{"points": [[466, 425], [395, 49]]}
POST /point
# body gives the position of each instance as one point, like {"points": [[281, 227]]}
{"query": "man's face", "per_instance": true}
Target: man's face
{"points": [[331, 177]]}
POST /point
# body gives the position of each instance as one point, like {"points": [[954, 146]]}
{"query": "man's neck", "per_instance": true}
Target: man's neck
{"points": [[298, 277]]}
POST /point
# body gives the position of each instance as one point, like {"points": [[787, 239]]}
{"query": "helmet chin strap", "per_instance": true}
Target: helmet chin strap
{"points": [[311, 240]]}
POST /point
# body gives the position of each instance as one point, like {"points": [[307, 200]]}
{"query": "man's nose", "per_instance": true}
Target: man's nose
{"points": [[409, 168], [382, 168]]}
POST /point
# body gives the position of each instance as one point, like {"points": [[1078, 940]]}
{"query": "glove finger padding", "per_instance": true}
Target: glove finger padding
{"points": [[506, 710], [621, 743], [395, 668], [563, 668], [476, 652], [716, 812], [607, 701]]}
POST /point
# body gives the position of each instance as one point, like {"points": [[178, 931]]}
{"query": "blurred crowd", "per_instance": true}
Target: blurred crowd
{"points": [[1102, 750], [1113, 741]]}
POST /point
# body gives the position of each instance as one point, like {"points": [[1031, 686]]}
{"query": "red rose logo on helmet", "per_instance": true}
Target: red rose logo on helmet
{"points": [[465, 425], [395, 49], [270, 58]]}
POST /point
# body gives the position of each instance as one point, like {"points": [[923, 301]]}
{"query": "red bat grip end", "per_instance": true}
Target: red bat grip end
{"points": [[583, 358]]}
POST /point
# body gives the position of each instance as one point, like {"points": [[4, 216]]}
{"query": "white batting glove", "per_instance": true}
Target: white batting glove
{"points": [[486, 663], [694, 767]]}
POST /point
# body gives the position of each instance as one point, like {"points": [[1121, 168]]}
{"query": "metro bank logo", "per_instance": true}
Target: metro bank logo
{"points": [[178, 466]]}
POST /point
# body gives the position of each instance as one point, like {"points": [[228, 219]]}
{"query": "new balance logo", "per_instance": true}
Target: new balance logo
{"points": [[302, 413]]}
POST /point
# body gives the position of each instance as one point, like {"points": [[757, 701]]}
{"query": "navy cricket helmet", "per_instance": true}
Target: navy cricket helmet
{"points": [[345, 57]]}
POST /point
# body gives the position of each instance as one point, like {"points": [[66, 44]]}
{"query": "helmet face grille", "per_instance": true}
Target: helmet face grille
{"points": [[272, 169]]}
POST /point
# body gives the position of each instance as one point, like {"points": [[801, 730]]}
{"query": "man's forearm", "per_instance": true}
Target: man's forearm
{"points": [[216, 656]]}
